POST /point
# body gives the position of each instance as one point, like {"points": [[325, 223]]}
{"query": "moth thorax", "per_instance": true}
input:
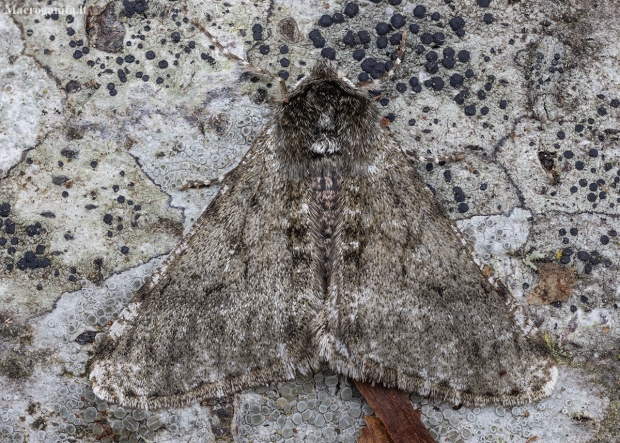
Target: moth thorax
{"points": [[325, 142]]}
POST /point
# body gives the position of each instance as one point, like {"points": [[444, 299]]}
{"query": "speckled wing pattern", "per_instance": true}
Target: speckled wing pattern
{"points": [[231, 305], [410, 308], [324, 245]]}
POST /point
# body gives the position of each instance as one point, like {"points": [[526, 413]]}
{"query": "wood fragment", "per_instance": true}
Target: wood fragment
{"points": [[395, 410], [374, 431]]}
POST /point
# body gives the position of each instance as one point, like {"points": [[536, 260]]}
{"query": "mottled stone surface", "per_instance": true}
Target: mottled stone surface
{"points": [[94, 144]]}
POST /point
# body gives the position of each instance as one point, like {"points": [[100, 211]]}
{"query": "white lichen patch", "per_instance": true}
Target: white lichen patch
{"points": [[30, 103]]}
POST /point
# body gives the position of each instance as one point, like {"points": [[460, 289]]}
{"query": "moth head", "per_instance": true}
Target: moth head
{"points": [[325, 117], [324, 111]]}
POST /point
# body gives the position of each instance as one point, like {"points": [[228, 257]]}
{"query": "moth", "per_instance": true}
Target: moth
{"points": [[323, 247]]}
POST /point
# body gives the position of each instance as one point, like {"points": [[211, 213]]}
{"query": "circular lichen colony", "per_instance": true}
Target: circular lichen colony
{"points": [[210, 155], [319, 407]]}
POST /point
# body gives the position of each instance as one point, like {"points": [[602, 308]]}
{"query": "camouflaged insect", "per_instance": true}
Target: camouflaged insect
{"points": [[324, 246]]}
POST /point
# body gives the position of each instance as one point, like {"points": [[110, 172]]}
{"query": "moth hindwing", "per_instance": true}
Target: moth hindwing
{"points": [[324, 246]]}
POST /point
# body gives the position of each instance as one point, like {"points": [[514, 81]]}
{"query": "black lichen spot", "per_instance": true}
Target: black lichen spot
{"points": [[456, 80], [448, 62], [463, 208], [395, 39], [359, 54], [86, 337], [349, 39], [135, 7], [328, 53], [351, 10], [382, 42], [203, 56], [5, 209], [364, 37], [463, 56], [72, 86], [459, 195], [397, 21], [257, 31], [456, 23], [325, 21], [437, 83], [317, 39], [32, 230], [69, 153], [9, 226]]}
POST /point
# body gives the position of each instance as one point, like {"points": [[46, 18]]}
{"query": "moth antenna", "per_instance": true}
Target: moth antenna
{"points": [[197, 184], [448, 158], [399, 51], [249, 66]]}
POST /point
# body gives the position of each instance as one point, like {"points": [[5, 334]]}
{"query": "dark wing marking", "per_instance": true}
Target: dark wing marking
{"points": [[408, 306], [237, 284]]}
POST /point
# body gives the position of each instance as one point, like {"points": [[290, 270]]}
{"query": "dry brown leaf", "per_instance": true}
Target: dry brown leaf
{"points": [[556, 284]]}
